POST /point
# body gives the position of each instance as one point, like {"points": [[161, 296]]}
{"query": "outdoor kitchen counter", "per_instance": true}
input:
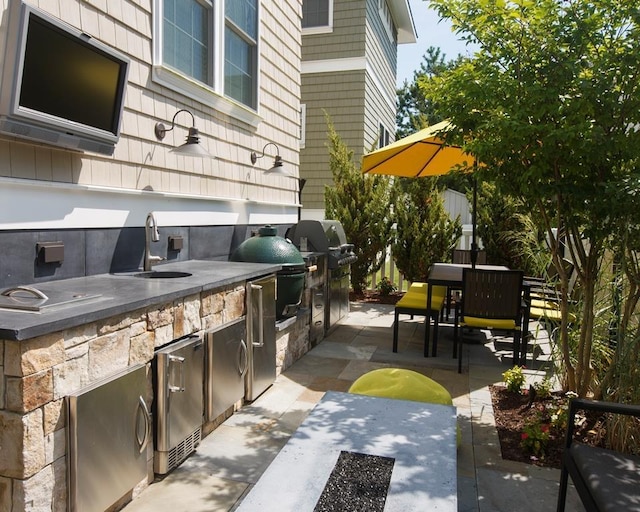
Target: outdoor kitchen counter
{"points": [[116, 294]]}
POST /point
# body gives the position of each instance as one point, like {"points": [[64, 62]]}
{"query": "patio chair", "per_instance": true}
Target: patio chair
{"points": [[605, 480], [414, 302], [462, 256], [491, 299], [544, 296]]}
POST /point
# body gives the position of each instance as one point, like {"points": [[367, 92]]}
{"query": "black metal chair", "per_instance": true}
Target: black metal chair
{"points": [[462, 256], [491, 299], [605, 480], [414, 302]]}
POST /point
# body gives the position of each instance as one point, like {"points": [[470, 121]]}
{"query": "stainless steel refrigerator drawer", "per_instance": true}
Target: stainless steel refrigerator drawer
{"points": [[109, 428], [227, 363], [179, 373]]}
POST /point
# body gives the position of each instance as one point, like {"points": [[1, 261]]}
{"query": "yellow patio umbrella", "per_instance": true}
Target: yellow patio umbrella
{"points": [[421, 154]]}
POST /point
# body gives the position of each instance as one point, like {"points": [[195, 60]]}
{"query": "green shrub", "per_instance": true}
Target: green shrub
{"points": [[514, 379], [386, 287]]}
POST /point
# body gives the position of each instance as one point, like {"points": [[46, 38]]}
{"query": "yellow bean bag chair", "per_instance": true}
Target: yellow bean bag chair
{"points": [[403, 385]]}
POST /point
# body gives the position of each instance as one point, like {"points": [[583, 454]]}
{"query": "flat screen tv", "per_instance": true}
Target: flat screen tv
{"points": [[59, 85]]}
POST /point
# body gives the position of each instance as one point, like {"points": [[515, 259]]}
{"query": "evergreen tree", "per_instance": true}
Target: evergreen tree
{"points": [[424, 232], [362, 205], [414, 110]]}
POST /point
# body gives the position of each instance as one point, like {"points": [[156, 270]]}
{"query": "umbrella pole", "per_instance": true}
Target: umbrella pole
{"points": [[474, 246]]}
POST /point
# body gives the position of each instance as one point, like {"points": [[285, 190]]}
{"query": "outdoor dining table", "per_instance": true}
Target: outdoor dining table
{"points": [[449, 275]]}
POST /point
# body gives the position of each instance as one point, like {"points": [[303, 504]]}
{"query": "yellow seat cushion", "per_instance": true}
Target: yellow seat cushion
{"points": [[401, 384], [417, 287], [552, 314], [488, 323], [419, 301], [416, 297], [546, 304], [549, 314]]}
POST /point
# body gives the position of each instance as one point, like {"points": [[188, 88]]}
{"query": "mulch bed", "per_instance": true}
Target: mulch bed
{"points": [[375, 297], [513, 412]]}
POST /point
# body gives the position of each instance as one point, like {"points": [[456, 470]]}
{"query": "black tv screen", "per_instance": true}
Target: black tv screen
{"points": [[60, 86], [68, 79]]}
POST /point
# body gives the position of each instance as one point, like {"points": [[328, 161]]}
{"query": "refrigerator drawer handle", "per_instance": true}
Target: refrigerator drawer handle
{"points": [[180, 361], [243, 358], [260, 342], [142, 406]]}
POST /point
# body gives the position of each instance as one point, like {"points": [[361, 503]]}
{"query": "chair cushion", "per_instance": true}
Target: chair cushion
{"points": [[613, 478], [488, 323], [549, 314], [417, 287], [419, 301], [416, 297]]}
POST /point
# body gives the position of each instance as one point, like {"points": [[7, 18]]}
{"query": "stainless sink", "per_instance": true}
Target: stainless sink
{"points": [[162, 274]]}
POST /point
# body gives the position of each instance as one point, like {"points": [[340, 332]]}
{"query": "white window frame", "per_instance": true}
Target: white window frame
{"points": [[386, 17], [210, 95], [324, 29], [303, 125], [383, 132]]}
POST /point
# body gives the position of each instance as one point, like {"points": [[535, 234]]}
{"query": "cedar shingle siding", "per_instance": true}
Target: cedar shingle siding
{"points": [[357, 98]]}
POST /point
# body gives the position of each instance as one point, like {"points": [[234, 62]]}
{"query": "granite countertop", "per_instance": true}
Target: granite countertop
{"points": [[116, 294]]}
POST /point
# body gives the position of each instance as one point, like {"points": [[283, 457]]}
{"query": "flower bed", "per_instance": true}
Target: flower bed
{"points": [[533, 431]]}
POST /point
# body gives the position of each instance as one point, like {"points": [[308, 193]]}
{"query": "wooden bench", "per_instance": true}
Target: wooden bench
{"points": [[414, 302], [605, 480]]}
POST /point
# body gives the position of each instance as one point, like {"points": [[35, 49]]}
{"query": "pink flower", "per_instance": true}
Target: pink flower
{"points": [[524, 436]]}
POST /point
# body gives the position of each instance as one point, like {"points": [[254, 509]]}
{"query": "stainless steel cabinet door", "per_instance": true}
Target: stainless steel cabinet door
{"points": [[109, 428], [227, 364], [261, 336]]}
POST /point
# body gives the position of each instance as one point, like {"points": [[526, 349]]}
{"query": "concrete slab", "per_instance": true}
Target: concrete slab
{"points": [[192, 491], [419, 437]]}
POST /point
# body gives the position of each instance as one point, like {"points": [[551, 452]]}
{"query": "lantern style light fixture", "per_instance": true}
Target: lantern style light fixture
{"points": [[277, 162], [192, 145]]}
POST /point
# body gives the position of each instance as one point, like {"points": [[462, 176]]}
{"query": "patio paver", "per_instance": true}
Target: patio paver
{"points": [[241, 448]]}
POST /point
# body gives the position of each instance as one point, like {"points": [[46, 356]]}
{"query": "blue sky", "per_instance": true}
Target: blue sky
{"points": [[431, 32]]}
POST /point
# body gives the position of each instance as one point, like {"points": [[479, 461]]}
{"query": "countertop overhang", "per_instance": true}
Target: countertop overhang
{"points": [[119, 293]]}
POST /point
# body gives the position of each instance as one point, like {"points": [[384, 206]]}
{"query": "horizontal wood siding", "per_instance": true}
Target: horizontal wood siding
{"points": [[381, 91], [140, 162], [341, 95], [358, 101], [347, 38]]}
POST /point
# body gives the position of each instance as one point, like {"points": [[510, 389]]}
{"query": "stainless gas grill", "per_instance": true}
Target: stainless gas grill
{"points": [[328, 237]]}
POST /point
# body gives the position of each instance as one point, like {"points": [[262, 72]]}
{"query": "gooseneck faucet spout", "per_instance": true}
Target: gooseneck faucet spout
{"points": [[150, 235]]}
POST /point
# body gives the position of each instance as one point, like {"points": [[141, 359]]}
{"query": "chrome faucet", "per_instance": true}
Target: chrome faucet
{"points": [[150, 235]]}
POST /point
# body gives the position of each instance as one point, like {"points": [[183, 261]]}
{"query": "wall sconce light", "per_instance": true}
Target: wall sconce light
{"points": [[277, 162], [192, 145]]}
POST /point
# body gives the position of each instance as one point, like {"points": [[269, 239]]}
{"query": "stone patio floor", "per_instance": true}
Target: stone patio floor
{"points": [[231, 459]]}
